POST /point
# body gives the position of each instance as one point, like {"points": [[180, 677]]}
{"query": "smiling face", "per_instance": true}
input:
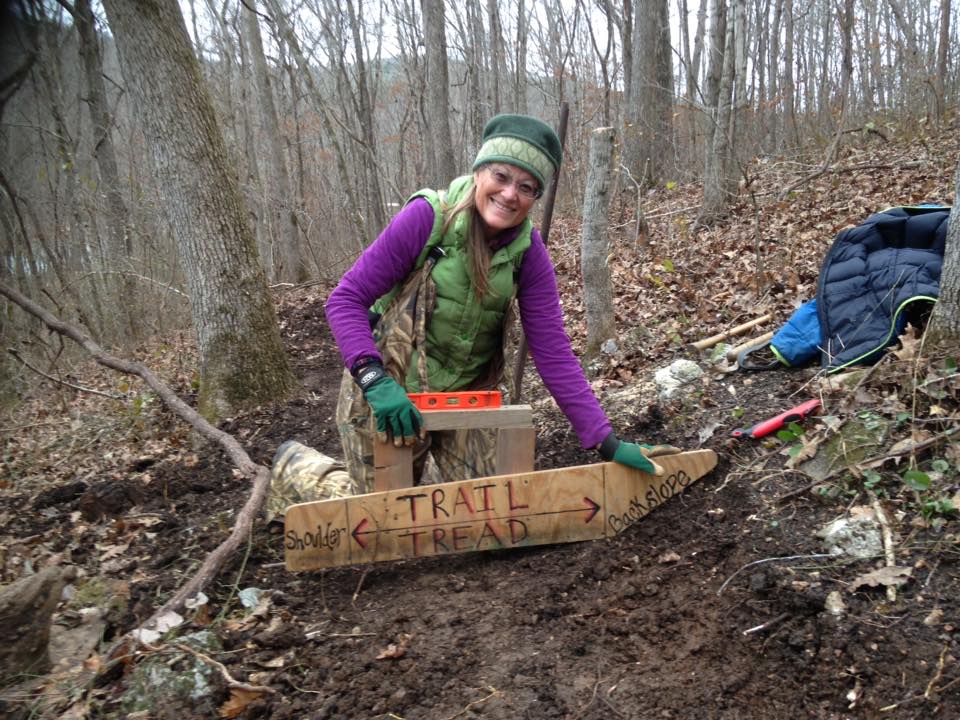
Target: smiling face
{"points": [[503, 196]]}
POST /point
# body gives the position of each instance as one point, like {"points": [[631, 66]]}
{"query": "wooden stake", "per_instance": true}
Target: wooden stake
{"points": [[738, 330]]}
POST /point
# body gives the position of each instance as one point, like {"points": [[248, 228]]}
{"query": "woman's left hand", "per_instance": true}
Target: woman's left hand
{"points": [[635, 455]]}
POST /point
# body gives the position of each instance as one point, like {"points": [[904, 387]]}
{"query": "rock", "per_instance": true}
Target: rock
{"points": [[179, 685], [678, 374], [25, 609], [857, 536]]}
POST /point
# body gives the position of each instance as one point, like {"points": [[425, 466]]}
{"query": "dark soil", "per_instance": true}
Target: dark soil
{"points": [[687, 614]]}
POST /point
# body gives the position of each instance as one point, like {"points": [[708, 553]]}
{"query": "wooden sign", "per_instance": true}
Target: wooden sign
{"points": [[536, 508]]}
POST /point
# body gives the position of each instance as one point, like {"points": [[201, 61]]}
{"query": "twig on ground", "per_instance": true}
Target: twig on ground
{"points": [[231, 681], [768, 624], [768, 560], [493, 693], [356, 593], [888, 550], [81, 388], [939, 674]]}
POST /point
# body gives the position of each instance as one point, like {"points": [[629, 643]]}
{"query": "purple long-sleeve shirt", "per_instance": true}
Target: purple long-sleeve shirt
{"points": [[391, 258]]}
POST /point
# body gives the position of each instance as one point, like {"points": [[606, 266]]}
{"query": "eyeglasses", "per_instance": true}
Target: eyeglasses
{"points": [[527, 190]]}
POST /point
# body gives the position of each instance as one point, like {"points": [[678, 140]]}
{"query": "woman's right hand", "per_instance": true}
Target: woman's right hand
{"points": [[396, 415]]}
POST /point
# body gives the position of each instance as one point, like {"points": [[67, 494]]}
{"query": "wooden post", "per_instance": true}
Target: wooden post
{"points": [[393, 466], [594, 245]]}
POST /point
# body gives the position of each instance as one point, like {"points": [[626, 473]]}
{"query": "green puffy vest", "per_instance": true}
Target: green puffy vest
{"points": [[465, 332]]}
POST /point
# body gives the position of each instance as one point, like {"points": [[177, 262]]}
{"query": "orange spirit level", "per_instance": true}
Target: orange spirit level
{"points": [[471, 400]]}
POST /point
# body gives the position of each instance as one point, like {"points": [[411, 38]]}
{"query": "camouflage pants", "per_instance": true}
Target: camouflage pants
{"points": [[301, 474], [445, 456]]}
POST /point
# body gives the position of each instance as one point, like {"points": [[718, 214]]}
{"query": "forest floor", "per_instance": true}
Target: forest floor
{"points": [[719, 604]]}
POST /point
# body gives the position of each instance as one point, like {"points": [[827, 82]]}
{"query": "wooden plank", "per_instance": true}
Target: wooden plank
{"points": [[508, 416], [549, 506], [631, 495], [392, 466], [515, 450]]}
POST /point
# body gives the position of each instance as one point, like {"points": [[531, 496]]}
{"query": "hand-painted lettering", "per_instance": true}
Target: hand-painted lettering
{"points": [[463, 499], [415, 540], [488, 531], [413, 503], [513, 505], [487, 500], [655, 495], [459, 533], [515, 527], [436, 498], [325, 538], [438, 535]]}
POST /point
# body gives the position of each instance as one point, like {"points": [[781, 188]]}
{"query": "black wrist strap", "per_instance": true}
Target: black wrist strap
{"points": [[368, 374], [608, 447]]}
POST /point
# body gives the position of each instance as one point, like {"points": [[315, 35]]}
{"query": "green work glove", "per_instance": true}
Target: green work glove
{"points": [[396, 416], [634, 455]]}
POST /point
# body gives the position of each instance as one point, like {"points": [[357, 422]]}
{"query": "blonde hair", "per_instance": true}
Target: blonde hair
{"points": [[478, 251]]}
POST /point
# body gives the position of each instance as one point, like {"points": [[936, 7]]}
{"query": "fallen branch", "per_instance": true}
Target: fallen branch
{"points": [[257, 473], [231, 681], [738, 330], [81, 388]]}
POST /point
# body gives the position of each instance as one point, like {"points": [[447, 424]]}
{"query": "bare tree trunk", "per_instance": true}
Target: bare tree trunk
{"points": [[439, 140], [474, 37], [846, 29], [290, 267], [788, 87], [242, 360], [520, 75], [626, 42], [716, 193], [496, 56], [649, 148], [595, 247], [104, 152], [943, 45], [375, 208], [944, 325]]}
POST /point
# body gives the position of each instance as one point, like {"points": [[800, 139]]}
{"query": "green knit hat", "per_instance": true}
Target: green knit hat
{"points": [[522, 141]]}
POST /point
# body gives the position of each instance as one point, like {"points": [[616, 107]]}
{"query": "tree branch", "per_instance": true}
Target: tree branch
{"points": [[257, 473]]}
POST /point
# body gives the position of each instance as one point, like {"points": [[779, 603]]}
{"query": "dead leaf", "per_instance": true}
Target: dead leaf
{"points": [[886, 576], [808, 449], [909, 344], [238, 701], [112, 551], [668, 557], [395, 651], [278, 662]]}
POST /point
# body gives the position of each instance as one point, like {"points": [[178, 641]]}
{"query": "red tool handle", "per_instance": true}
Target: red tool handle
{"points": [[775, 423]]}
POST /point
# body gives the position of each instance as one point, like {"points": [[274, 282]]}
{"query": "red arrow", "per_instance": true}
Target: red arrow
{"points": [[594, 508], [356, 533]]}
